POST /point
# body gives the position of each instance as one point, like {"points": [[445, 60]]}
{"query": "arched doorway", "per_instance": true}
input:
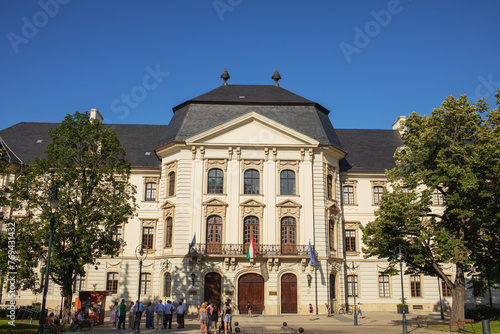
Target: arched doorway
{"points": [[213, 288], [251, 289], [288, 293]]}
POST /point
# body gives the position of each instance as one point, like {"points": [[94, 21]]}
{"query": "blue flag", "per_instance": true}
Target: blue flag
{"points": [[192, 243], [311, 254]]}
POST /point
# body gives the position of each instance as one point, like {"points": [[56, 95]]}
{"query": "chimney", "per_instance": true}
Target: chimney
{"points": [[397, 125], [95, 114]]}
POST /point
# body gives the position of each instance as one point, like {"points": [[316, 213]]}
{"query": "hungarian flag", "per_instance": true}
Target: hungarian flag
{"points": [[251, 250]]}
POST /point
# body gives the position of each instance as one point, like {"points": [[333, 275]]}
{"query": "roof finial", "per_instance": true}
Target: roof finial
{"points": [[276, 77], [225, 76]]}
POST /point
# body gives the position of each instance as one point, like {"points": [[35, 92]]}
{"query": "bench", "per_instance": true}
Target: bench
{"points": [[464, 322], [422, 321]]}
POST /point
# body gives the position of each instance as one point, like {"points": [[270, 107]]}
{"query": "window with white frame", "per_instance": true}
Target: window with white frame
{"points": [[383, 286], [350, 240], [378, 191], [415, 287], [79, 284], [348, 194], [145, 283], [352, 285], [438, 197]]}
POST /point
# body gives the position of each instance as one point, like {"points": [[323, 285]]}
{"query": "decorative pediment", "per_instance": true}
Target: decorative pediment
{"points": [[252, 129], [167, 205], [288, 204], [214, 202], [252, 202], [215, 207]]}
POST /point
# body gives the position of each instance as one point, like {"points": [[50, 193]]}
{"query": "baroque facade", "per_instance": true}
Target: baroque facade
{"points": [[243, 162]]}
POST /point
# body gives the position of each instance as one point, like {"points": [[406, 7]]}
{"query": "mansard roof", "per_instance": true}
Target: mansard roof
{"points": [[369, 150], [29, 140], [228, 102]]}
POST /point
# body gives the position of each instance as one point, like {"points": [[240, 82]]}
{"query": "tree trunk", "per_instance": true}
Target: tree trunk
{"points": [[67, 307], [458, 295]]}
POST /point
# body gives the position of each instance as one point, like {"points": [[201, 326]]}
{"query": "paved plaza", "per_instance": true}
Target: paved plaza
{"points": [[376, 322]]}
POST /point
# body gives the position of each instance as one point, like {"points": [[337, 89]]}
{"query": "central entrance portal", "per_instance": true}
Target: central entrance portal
{"points": [[289, 293], [251, 289], [213, 288]]}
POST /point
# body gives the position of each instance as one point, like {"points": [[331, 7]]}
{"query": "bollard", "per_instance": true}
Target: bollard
{"points": [[486, 327]]}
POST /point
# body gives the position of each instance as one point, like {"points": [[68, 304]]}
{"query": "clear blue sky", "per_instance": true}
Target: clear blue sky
{"points": [[366, 61]]}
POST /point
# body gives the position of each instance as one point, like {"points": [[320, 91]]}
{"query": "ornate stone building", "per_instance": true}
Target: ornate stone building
{"points": [[238, 162]]}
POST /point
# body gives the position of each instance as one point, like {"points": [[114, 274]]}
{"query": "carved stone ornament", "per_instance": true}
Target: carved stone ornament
{"points": [[378, 183], [215, 207], [288, 208], [151, 179], [168, 209], [216, 163], [148, 222], [252, 208], [171, 167], [288, 164], [252, 164]]}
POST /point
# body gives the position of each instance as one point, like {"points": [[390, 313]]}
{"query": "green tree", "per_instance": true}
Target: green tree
{"points": [[86, 163], [455, 151]]}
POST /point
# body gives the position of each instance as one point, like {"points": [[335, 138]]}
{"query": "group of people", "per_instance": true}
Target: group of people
{"points": [[53, 323], [164, 313], [208, 316]]}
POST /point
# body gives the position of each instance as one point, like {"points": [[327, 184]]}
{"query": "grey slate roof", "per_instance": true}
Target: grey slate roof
{"points": [[368, 150], [29, 140], [225, 103]]}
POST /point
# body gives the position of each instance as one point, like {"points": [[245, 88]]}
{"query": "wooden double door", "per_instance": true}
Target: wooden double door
{"points": [[288, 293], [251, 290], [213, 286]]}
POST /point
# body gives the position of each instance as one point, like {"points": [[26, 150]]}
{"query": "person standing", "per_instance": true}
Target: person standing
{"points": [[215, 317], [160, 313], [180, 315], [114, 315], [150, 316], [131, 316], [209, 316], [311, 311], [327, 309], [249, 309], [227, 316], [122, 309], [169, 310], [203, 318]]}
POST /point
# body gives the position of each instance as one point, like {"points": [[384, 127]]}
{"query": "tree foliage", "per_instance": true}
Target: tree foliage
{"points": [[86, 163], [455, 151]]}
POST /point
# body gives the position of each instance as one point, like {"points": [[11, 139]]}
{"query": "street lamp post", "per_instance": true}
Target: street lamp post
{"points": [[353, 269], [54, 203], [400, 253], [141, 256]]}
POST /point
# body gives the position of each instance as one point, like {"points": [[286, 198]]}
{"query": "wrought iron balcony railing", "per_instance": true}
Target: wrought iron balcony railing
{"points": [[241, 250]]}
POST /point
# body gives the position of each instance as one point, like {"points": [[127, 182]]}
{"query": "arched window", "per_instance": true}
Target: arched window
{"points": [[168, 232], [331, 234], [251, 227], [287, 182], [214, 234], [215, 181], [251, 182], [167, 285], [329, 186], [171, 184], [288, 226]]}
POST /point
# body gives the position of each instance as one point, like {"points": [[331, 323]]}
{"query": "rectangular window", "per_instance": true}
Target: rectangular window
{"points": [[150, 194], [383, 286], [119, 189], [352, 285], [145, 283], [112, 283], [147, 237], [117, 235], [438, 197], [445, 289], [377, 194], [415, 286], [79, 284], [350, 240], [348, 194]]}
